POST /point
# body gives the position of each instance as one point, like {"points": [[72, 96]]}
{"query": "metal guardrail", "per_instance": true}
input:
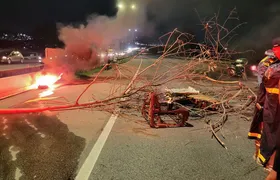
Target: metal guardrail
{"points": [[15, 72]]}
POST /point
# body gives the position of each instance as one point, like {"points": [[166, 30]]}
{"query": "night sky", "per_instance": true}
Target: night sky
{"points": [[262, 16], [29, 14]]}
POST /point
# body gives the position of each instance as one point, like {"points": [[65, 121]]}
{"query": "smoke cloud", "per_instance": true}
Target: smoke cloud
{"points": [[100, 33], [262, 20], [150, 16], [260, 37]]}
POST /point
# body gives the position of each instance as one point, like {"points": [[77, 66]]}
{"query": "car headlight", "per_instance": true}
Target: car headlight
{"points": [[39, 57], [4, 57]]}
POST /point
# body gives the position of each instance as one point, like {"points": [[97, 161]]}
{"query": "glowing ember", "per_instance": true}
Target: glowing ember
{"points": [[47, 81]]}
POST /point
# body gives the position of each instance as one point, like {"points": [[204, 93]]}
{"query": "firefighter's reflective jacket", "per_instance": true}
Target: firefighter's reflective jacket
{"points": [[256, 125], [271, 112]]}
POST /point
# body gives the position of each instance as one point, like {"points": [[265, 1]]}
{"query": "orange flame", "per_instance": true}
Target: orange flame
{"points": [[49, 81]]}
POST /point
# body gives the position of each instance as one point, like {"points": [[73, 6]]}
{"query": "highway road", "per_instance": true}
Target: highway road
{"points": [[98, 145]]}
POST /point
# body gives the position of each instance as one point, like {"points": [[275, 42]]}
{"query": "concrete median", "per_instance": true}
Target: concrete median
{"points": [[20, 71]]}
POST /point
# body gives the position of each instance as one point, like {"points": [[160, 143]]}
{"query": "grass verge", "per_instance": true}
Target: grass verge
{"points": [[85, 74]]}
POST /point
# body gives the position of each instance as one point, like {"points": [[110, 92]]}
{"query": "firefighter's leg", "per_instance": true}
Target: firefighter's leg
{"points": [[255, 128], [257, 146], [267, 146], [257, 123]]}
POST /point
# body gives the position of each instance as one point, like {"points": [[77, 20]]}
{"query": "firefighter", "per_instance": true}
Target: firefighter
{"points": [[275, 173], [256, 125], [264, 64], [271, 112]]}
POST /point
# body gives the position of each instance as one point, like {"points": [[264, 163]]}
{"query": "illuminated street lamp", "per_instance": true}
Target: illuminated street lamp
{"points": [[120, 6], [129, 29], [123, 5], [133, 6], [135, 30]]}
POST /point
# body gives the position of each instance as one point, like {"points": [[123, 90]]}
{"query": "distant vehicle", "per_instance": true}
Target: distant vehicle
{"points": [[33, 56], [11, 57], [237, 68]]}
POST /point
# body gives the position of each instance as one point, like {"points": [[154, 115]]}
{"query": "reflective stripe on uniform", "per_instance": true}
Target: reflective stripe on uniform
{"points": [[256, 135], [261, 157], [264, 59], [272, 90], [266, 64]]}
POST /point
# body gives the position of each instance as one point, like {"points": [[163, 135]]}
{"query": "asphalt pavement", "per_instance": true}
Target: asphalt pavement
{"points": [[55, 145], [46, 145], [135, 151], [38, 147]]}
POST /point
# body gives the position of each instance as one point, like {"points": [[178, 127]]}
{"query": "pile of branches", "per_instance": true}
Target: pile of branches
{"points": [[198, 59]]}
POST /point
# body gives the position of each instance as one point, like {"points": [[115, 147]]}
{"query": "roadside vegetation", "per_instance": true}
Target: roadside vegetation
{"points": [[85, 74]]}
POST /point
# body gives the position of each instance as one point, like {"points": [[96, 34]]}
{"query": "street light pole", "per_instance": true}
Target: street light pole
{"points": [[135, 34], [125, 8], [132, 34]]}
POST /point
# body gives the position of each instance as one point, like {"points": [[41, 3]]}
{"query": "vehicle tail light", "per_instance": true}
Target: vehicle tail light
{"points": [[254, 68]]}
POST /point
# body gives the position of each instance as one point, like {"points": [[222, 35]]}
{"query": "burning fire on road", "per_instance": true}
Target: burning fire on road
{"points": [[46, 81]]}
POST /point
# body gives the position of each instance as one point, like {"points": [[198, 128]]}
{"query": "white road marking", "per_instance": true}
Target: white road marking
{"points": [[18, 174], [89, 163], [5, 127], [4, 120], [31, 125], [41, 134], [35, 128], [13, 153]]}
